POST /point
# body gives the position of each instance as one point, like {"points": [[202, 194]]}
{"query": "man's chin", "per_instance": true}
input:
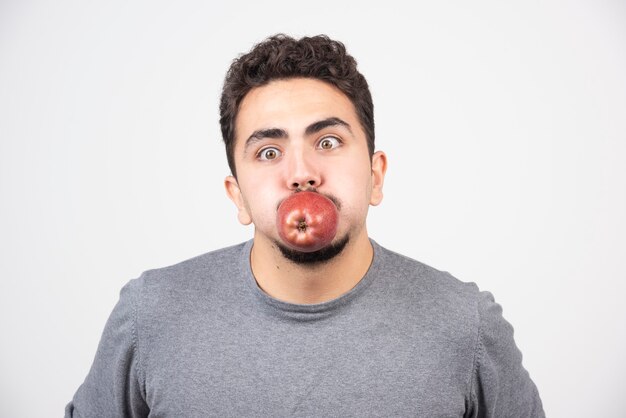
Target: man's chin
{"points": [[316, 257]]}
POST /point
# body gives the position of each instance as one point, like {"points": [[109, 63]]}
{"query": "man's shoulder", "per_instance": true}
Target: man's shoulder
{"points": [[199, 271], [426, 284], [421, 273]]}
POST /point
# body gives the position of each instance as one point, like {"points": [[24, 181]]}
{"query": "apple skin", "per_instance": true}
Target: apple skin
{"points": [[307, 221]]}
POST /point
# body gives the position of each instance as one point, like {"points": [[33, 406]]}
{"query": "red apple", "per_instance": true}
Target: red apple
{"points": [[307, 221]]}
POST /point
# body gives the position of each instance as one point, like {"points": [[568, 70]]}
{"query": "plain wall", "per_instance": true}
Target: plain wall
{"points": [[504, 124]]}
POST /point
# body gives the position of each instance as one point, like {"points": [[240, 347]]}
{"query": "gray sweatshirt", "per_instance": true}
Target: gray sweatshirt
{"points": [[201, 339]]}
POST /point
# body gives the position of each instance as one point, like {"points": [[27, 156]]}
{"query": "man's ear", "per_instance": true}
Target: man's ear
{"points": [[234, 194], [379, 168]]}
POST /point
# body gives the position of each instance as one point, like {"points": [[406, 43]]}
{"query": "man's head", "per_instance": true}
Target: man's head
{"points": [[293, 131], [282, 57]]}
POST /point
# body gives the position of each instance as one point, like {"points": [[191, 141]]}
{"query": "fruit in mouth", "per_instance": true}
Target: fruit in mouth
{"points": [[307, 221]]}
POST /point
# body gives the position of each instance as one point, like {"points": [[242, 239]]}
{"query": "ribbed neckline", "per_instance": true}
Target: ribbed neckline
{"points": [[306, 311]]}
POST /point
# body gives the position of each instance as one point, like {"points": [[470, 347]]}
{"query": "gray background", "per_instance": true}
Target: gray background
{"points": [[504, 124]]}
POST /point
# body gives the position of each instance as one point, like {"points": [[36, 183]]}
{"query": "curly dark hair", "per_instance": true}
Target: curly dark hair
{"points": [[283, 57]]}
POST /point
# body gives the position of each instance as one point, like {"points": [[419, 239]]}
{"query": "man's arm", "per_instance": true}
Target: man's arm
{"points": [[114, 386], [500, 386]]}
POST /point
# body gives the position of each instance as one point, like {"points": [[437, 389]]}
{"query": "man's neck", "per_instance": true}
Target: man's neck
{"points": [[310, 283]]}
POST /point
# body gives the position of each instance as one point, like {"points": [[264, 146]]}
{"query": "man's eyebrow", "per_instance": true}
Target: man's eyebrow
{"points": [[258, 135], [278, 133], [319, 125]]}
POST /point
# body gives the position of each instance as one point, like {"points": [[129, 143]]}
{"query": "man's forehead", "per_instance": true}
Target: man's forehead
{"points": [[281, 95], [293, 105]]}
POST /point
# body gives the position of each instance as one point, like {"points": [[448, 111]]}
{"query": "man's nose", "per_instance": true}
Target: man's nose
{"points": [[303, 173]]}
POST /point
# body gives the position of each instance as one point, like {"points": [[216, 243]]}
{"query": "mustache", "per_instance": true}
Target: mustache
{"points": [[331, 197]]}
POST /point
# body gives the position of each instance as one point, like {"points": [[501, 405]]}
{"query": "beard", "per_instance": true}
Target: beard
{"points": [[315, 257]]}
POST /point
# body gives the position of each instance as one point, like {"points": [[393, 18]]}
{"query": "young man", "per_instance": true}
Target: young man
{"points": [[334, 325]]}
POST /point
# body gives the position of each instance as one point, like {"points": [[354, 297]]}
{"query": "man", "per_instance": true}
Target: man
{"points": [[270, 327]]}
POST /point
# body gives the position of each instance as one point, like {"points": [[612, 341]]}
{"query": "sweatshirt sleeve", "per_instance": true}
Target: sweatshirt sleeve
{"points": [[500, 386], [114, 386]]}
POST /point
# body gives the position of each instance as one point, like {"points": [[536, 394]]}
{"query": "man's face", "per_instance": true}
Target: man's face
{"points": [[302, 134]]}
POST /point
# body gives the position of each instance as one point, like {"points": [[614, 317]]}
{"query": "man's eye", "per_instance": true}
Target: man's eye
{"points": [[329, 142], [267, 154]]}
